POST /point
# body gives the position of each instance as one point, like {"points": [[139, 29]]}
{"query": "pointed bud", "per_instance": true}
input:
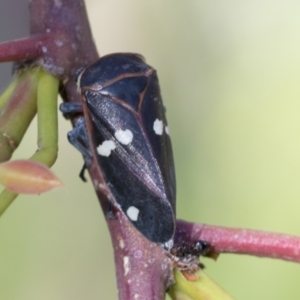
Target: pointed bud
{"points": [[27, 177]]}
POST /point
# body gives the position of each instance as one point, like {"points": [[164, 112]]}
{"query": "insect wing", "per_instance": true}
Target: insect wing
{"points": [[132, 146], [157, 131]]}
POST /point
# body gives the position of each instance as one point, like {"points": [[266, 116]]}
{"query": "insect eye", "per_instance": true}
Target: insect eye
{"points": [[202, 247]]}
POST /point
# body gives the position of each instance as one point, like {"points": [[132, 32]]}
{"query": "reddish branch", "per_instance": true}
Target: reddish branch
{"points": [[62, 43], [242, 241], [24, 49]]}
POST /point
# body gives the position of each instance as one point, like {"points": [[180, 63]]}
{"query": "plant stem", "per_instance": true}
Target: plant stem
{"points": [[47, 129], [47, 119], [203, 288], [23, 49], [6, 199], [242, 241]]}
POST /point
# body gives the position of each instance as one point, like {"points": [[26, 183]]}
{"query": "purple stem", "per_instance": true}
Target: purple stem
{"points": [[242, 241], [23, 49]]}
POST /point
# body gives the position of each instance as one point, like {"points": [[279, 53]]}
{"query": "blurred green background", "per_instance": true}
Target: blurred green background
{"points": [[229, 74]]}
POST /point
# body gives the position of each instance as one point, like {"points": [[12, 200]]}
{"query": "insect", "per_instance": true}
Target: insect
{"points": [[185, 256], [124, 127]]}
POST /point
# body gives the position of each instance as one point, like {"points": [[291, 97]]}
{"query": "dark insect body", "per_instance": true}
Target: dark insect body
{"points": [[124, 129], [185, 257], [191, 248]]}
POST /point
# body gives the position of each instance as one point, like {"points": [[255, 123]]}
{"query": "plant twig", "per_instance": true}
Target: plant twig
{"points": [[47, 119], [17, 112], [203, 288], [23, 49], [242, 241]]}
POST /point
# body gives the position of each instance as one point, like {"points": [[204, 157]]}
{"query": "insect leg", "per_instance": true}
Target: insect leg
{"points": [[69, 108], [78, 137]]}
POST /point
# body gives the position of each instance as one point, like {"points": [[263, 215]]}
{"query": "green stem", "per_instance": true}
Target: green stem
{"points": [[18, 110], [47, 119], [5, 96], [6, 199], [47, 129], [202, 289]]}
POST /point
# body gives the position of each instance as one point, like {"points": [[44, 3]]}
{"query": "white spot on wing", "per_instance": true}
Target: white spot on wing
{"points": [[105, 148], [133, 213], [158, 127], [126, 265], [167, 130], [124, 136]]}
